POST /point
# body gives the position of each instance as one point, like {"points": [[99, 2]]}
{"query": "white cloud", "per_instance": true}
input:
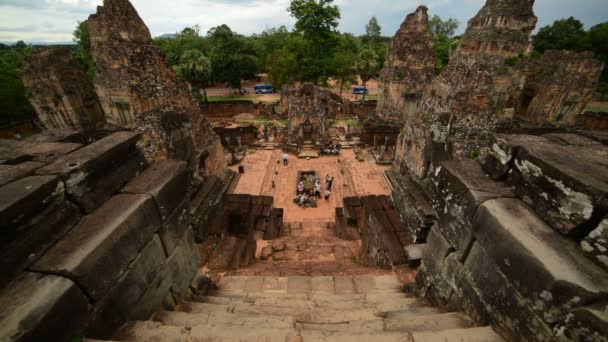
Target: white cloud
{"points": [[54, 20]]}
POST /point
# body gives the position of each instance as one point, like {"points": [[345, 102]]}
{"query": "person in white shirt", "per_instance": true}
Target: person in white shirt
{"points": [[285, 159]]}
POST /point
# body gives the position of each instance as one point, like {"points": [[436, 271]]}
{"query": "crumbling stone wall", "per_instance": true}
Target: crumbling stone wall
{"points": [[375, 221], [519, 240], [409, 69], [138, 89], [60, 92], [91, 237], [230, 109], [310, 106], [475, 92], [558, 86]]}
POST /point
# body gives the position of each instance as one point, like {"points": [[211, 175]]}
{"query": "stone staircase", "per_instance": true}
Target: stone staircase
{"points": [[339, 308]]}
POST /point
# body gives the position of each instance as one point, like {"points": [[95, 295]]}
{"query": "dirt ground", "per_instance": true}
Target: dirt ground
{"points": [[218, 91], [352, 178]]}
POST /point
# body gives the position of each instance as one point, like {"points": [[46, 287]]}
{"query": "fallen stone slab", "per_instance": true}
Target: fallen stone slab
{"points": [[567, 186], [497, 160], [38, 307], [413, 253], [584, 324], [546, 268], [166, 181], [595, 245], [96, 252], [95, 172]]}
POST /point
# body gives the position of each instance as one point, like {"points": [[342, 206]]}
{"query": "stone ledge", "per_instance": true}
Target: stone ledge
{"points": [[565, 185], [497, 160], [166, 181], [122, 300], [541, 264], [34, 213], [461, 186], [38, 307], [11, 173], [97, 251], [95, 172]]}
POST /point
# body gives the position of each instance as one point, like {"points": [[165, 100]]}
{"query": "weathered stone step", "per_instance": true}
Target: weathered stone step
{"points": [[433, 322], [322, 336], [308, 313], [338, 285], [344, 302], [155, 331], [224, 319], [482, 334], [151, 331], [213, 334]]}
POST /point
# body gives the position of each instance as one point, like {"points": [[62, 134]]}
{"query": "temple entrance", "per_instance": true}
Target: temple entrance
{"points": [[307, 131]]}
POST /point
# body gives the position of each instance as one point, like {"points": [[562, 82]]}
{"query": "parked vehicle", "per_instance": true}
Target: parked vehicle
{"points": [[359, 90], [263, 89]]}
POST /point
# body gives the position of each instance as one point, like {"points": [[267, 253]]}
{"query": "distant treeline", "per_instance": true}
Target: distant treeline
{"points": [[314, 51]]}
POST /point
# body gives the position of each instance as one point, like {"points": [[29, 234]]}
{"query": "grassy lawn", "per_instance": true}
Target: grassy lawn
{"points": [[597, 106], [371, 98], [233, 98], [262, 120]]}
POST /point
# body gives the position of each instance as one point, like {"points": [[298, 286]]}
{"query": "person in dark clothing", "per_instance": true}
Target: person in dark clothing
{"points": [[330, 183]]}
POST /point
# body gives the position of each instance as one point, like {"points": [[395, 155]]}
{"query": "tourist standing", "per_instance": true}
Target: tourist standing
{"points": [[327, 195], [326, 181], [330, 183], [285, 159], [301, 188], [318, 189]]}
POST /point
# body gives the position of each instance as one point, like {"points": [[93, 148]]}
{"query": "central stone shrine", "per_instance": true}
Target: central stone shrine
{"points": [[308, 109]]}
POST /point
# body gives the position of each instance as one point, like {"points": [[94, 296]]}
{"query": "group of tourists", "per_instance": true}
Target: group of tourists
{"points": [[308, 197], [333, 149]]}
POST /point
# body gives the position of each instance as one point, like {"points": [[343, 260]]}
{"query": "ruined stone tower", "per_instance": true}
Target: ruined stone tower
{"points": [[559, 84], [61, 93], [138, 89], [474, 92], [408, 72]]}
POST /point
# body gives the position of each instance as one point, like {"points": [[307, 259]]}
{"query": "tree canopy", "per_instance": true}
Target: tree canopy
{"points": [[570, 34], [444, 41]]}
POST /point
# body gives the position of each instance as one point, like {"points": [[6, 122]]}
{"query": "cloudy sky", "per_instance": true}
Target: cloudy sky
{"points": [[54, 20]]}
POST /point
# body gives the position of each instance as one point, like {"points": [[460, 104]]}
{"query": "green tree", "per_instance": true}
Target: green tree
{"points": [[13, 95], [316, 21], [187, 39], [373, 32], [232, 56], [82, 38], [564, 34], [196, 68], [444, 41], [443, 29], [367, 65], [598, 40]]}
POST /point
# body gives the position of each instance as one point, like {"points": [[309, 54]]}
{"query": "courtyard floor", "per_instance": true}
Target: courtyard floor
{"points": [[352, 178]]}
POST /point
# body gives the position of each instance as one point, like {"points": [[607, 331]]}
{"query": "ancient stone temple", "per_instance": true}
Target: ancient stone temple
{"points": [[505, 238], [458, 116], [559, 84], [61, 93], [309, 108], [409, 69], [138, 89]]}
